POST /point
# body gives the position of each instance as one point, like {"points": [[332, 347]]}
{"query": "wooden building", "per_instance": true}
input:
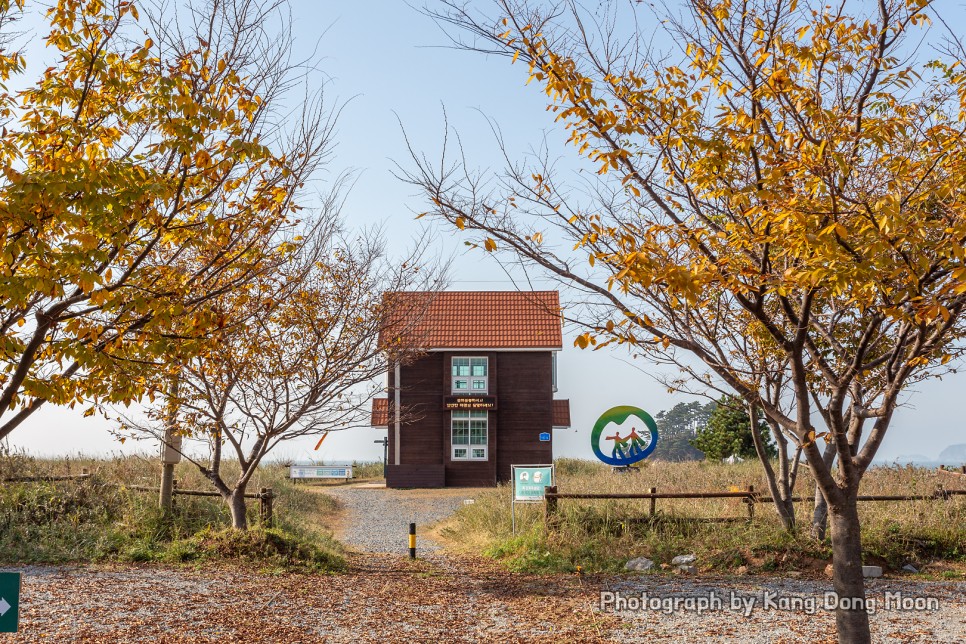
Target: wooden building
{"points": [[480, 396]]}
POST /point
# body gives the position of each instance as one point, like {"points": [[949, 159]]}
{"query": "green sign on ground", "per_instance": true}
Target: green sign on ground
{"points": [[529, 481], [9, 601]]}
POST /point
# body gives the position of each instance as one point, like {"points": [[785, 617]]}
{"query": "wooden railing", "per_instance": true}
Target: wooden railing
{"points": [[750, 497], [265, 496], [43, 479]]}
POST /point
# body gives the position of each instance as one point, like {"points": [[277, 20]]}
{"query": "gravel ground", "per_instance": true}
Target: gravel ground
{"points": [[377, 519], [784, 610], [384, 598], [387, 598]]}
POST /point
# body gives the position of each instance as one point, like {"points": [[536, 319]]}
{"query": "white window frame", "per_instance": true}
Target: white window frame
{"points": [[470, 379], [553, 370], [461, 415]]}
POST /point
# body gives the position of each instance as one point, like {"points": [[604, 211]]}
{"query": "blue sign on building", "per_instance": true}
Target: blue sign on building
{"points": [[544, 437]]}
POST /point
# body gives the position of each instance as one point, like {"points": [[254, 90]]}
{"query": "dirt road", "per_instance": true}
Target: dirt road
{"points": [[376, 519]]}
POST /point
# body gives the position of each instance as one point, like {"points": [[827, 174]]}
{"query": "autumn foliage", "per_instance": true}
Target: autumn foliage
{"points": [[143, 176], [778, 210]]}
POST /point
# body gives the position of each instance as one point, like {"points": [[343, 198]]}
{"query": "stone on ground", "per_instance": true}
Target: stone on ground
{"points": [[639, 564]]}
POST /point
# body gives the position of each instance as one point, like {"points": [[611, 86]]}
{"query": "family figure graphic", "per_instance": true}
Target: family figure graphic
{"points": [[627, 447]]}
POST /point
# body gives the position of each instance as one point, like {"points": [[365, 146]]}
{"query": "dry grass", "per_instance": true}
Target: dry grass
{"points": [[102, 518], [600, 535]]}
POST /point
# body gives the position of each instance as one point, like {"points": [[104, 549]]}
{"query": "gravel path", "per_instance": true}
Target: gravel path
{"points": [[377, 519]]}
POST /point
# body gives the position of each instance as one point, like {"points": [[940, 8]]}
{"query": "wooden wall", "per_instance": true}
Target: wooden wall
{"points": [[521, 381], [525, 395]]}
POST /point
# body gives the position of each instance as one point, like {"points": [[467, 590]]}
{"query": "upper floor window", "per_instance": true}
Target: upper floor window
{"points": [[470, 376]]}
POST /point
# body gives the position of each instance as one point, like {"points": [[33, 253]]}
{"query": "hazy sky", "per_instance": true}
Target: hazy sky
{"points": [[389, 65]]}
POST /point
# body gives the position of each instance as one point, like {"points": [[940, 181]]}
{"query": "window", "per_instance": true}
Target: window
{"points": [[470, 376], [469, 435], [553, 370]]}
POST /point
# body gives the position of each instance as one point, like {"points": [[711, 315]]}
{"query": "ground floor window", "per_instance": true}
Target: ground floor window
{"points": [[469, 435]]}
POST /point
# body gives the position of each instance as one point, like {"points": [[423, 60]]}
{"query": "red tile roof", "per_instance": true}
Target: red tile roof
{"points": [[561, 413], [380, 412], [475, 319]]}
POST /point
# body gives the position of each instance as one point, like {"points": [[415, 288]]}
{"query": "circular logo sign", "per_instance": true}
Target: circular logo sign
{"points": [[640, 441]]}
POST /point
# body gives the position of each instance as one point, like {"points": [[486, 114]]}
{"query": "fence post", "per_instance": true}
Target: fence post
{"points": [[751, 502], [962, 470], [166, 492], [550, 499], [941, 492], [653, 502], [265, 498]]}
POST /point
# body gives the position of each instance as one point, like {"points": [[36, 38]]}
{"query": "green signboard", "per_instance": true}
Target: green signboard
{"points": [[529, 482], [9, 601]]}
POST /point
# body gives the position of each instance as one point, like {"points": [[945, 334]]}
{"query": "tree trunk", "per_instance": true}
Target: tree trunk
{"points": [[780, 490], [239, 515], [851, 617], [786, 512], [820, 515]]}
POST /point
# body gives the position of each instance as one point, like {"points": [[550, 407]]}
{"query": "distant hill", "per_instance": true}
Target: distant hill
{"points": [[953, 455]]}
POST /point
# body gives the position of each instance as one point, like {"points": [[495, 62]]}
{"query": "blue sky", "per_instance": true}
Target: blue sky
{"points": [[389, 65]]}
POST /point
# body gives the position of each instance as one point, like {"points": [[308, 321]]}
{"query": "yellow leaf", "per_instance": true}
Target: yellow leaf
{"points": [[489, 245], [460, 223]]}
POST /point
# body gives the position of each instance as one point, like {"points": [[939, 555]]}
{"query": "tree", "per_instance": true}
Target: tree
{"points": [[728, 432], [145, 175], [302, 364], [677, 426], [779, 209]]}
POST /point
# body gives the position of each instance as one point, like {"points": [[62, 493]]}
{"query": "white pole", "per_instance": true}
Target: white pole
{"points": [[396, 407]]}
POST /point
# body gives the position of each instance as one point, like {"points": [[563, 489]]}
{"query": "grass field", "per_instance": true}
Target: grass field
{"points": [[601, 535], [103, 519]]}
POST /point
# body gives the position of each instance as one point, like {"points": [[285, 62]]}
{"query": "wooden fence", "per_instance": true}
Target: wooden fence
{"points": [[41, 479], [265, 496], [750, 497]]}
